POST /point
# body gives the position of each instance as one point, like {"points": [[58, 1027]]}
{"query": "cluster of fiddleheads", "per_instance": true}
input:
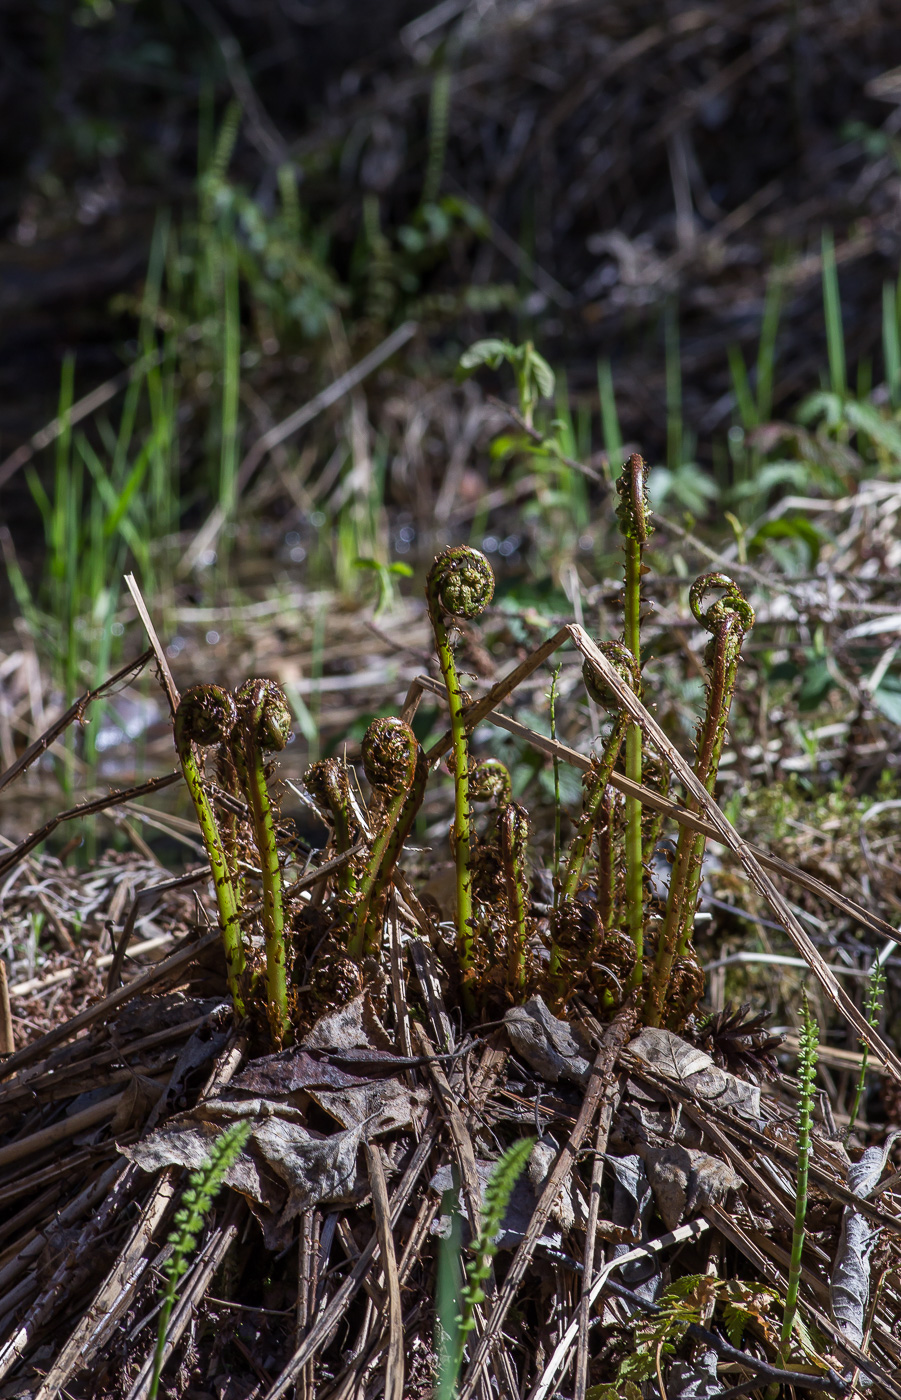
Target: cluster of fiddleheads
{"points": [[606, 932]]}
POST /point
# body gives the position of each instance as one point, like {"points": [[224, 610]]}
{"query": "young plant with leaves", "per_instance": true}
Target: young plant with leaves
{"points": [[872, 1008], [197, 1200], [807, 1069]]}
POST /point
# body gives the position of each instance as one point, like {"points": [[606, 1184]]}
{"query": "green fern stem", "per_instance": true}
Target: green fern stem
{"points": [[327, 783], [807, 1066], [396, 768], [206, 715], [461, 585], [513, 831], [728, 619], [264, 726], [633, 516]]}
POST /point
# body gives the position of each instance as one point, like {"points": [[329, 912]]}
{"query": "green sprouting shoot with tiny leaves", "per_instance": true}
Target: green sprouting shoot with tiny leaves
{"points": [[263, 727], [728, 619], [633, 516], [872, 1008], [197, 1199], [206, 715], [396, 770], [807, 1067], [460, 585]]}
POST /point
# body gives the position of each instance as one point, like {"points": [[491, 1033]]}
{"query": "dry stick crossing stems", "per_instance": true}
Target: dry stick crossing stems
{"points": [[749, 858]]}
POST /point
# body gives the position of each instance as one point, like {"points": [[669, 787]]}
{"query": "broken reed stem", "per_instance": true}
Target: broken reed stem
{"points": [[632, 515], [460, 584]]}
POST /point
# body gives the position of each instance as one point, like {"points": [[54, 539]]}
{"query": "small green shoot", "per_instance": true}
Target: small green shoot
{"points": [[457, 1308], [872, 1008], [197, 1200], [807, 1068]]}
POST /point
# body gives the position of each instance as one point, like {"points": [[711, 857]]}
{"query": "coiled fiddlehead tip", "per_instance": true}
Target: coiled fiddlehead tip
{"points": [[206, 715], [327, 783], [625, 665], [515, 825], [389, 751], [732, 604], [576, 929], [263, 709], [461, 581], [633, 511], [488, 779]]}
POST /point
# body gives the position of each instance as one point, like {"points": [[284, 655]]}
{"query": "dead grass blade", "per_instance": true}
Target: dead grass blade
{"points": [[115, 1295], [73, 714], [730, 837], [331, 1316], [165, 674], [169, 967], [209, 531], [12, 857], [394, 1370]]}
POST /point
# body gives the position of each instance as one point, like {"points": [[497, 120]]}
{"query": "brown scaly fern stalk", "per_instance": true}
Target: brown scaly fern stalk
{"points": [[264, 726], [513, 832], [633, 516], [728, 620], [460, 585], [328, 784]]}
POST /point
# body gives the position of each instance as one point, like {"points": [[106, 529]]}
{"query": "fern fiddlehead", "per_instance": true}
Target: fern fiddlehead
{"points": [[205, 716], [460, 585]]}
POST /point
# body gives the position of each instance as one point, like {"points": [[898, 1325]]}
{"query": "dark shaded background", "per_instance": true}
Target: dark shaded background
{"points": [[629, 157]]}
